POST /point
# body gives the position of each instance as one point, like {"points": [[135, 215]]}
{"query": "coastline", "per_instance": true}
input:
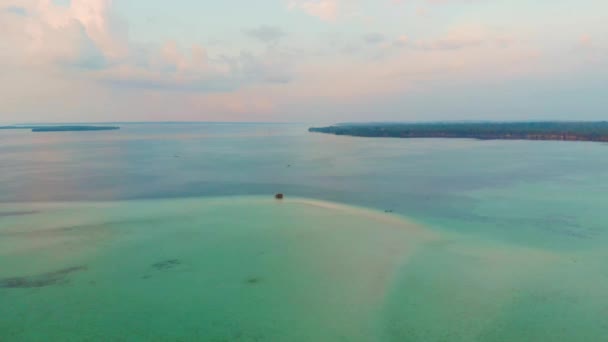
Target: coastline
{"points": [[544, 131]]}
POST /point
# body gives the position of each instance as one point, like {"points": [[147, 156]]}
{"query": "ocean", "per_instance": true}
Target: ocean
{"points": [[171, 232]]}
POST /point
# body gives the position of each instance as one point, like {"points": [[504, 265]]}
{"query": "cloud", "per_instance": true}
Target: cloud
{"points": [[434, 2], [58, 61], [171, 67], [266, 34], [466, 36], [585, 41], [175, 69], [374, 38], [84, 34], [16, 10], [401, 41], [378, 46], [591, 51], [326, 10], [450, 2], [86, 39]]}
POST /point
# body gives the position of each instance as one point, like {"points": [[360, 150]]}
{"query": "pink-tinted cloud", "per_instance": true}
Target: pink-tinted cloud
{"points": [[586, 41], [402, 41], [466, 36], [327, 10], [86, 33], [77, 58]]}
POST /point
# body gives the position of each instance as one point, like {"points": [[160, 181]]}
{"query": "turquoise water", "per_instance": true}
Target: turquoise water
{"points": [[170, 232]]}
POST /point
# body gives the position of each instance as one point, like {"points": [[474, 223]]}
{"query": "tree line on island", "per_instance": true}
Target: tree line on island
{"points": [[567, 131]]}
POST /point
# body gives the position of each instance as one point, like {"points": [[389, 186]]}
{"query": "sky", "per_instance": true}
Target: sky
{"points": [[320, 61]]}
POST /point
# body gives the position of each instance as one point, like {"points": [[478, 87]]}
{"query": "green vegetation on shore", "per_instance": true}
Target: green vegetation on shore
{"points": [[37, 128], [570, 131]]}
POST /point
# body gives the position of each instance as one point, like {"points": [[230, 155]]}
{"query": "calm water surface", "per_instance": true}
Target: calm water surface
{"points": [[169, 231]]}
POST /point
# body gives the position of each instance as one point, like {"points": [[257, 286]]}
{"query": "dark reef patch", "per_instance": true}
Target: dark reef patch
{"points": [[40, 280], [252, 280], [166, 264]]}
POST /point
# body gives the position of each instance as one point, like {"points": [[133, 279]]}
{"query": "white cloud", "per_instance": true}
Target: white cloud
{"points": [[87, 35]]}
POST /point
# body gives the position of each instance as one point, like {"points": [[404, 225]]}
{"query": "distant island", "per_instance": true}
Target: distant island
{"points": [[37, 128], [564, 131]]}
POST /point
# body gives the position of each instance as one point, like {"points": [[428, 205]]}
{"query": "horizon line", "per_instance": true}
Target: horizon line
{"points": [[290, 122]]}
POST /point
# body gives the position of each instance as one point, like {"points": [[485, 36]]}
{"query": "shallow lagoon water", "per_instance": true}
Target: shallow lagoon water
{"points": [[170, 232], [200, 269], [258, 269]]}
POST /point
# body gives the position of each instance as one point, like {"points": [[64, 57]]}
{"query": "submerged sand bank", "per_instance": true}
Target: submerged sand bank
{"points": [[251, 268]]}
